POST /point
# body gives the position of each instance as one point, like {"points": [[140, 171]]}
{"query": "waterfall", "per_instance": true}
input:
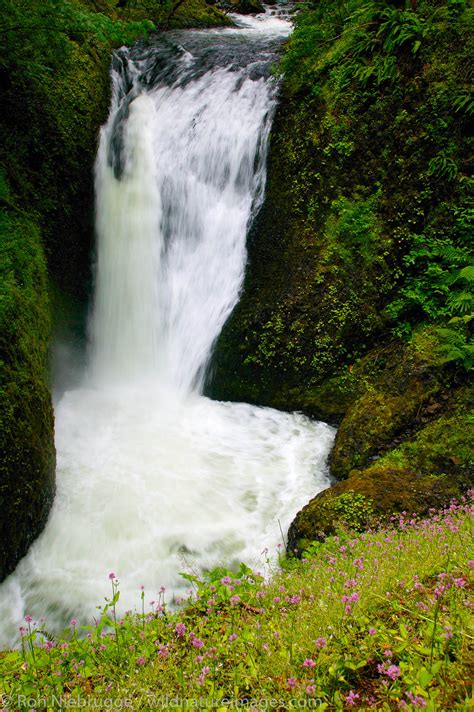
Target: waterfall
{"points": [[153, 478], [176, 183]]}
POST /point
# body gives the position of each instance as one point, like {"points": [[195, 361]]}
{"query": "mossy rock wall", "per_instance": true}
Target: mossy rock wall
{"points": [[27, 457], [312, 292], [355, 207], [49, 124]]}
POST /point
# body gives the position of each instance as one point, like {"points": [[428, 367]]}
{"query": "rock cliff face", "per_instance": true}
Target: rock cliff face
{"points": [[346, 312], [49, 129], [55, 86]]}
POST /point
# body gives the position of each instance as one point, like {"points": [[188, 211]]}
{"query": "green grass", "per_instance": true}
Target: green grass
{"points": [[379, 620]]}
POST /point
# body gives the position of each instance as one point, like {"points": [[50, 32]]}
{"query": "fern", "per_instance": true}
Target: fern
{"points": [[451, 254], [464, 102], [443, 165], [399, 28], [467, 274], [461, 303], [455, 346]]}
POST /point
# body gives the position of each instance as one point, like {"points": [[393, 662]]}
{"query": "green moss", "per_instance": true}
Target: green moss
{"points": [[358, 236], [445, 445], [369, 497], [189, 13], [400, 390], [26, 419]]}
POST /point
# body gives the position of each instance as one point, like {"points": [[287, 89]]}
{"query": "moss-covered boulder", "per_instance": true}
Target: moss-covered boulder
{"points": [[367, 498], [175, 14], [427, 469], [444, 445], [390, 394], [243, 7]]}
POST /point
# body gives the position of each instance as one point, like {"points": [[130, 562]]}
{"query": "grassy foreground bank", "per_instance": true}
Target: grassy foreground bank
{"points": [[379, 620]]}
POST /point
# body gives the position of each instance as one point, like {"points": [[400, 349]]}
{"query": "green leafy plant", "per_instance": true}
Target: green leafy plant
{"points": [[374, 620]]}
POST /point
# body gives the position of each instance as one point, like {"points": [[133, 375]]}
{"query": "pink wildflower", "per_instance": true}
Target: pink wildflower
{"points": [[202, 676], [141, 661], [309, 663], [393, 671], [112, 576], [448, 632], [321, 642], [292, 682], [180, 629], [416, 700], [352, 697]]}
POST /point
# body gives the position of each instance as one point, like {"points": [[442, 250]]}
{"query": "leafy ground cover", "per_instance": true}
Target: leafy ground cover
{"points": [[377, 620]]}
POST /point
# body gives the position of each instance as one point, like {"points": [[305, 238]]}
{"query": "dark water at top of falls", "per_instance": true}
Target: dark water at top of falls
{"points": [[177, 58]]}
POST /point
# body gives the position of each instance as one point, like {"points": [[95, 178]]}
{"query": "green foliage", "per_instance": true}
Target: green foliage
{"points": [[26, 421], [359, 44], [366, 227], [439, 282], [464, 102], [455, 345], [401, 27], [377, 619], [38, 33], [354, 509]]}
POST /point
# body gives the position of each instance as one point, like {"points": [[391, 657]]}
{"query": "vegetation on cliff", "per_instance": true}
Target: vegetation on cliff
{"points": [[358, 300], [372, 621]]}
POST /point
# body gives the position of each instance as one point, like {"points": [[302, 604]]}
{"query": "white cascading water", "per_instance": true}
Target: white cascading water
{"points": [[153, 478]]}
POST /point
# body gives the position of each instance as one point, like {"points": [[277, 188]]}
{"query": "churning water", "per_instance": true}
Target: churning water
{"points": [[153, 478]]}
